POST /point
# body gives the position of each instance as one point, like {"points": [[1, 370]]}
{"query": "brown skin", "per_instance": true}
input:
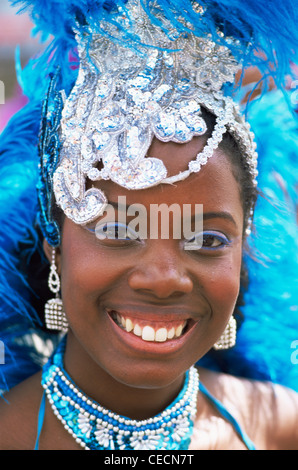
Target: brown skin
{"points": [[156, 281]]}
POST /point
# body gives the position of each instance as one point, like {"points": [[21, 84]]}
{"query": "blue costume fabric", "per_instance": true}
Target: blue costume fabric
{"points": [[266, 340]]}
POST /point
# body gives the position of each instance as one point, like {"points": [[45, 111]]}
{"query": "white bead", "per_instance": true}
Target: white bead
{"points": [[100, 425]]}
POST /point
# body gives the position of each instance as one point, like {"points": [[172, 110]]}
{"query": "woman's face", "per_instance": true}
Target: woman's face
{"points": [[145, 310]]}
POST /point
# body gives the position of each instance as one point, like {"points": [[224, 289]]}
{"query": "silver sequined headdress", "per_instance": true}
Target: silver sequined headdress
{"points": [[125, 96]]}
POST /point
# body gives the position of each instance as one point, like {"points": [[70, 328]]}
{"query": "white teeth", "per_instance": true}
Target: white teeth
{"points": [[178, 330], [148, 333], [161, 335], [127, 324], [171, 333], [137, 330]]}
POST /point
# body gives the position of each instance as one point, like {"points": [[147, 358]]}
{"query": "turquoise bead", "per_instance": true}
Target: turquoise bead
{"points": [[168, 430]]}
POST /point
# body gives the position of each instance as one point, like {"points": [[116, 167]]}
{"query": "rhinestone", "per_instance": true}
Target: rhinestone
{"points": [[112, 115]]}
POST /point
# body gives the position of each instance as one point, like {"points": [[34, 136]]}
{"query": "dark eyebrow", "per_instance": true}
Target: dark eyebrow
{"points": [[221, 215], [206, 216]]}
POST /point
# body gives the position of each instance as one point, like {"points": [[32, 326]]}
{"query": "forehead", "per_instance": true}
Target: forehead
{"points": [[214, 185], [176, 157]]}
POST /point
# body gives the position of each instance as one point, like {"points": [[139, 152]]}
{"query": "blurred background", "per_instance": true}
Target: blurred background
{"points": [[15, 30]]}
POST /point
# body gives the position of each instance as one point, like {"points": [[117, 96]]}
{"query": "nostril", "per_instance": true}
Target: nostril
{"points": [[161, 284]]}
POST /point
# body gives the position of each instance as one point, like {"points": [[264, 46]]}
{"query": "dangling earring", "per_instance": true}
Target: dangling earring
{"points": [[228, 338], [55, 318]]}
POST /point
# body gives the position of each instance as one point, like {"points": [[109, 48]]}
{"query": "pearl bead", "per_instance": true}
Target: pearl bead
{"points": [[103, 426]]}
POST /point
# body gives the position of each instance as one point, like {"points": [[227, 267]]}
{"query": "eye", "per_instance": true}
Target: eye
{"points": [[115, 233], [207, 241]]}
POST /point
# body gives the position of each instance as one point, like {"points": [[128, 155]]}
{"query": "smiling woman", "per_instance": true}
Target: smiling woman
{"points": [[153, 284], [141, 121]]}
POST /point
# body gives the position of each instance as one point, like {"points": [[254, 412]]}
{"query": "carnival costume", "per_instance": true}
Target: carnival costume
{"points": [[116, 75]]}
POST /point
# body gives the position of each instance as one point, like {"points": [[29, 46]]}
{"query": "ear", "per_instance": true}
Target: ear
{"points": [[48, 250]]}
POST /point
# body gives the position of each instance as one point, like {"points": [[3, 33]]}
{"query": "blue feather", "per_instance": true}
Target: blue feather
{"points": [[271, 303], [18, 243], [265, 346], [270, 27]]}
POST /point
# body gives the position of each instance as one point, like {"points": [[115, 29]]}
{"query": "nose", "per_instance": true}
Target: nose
{"points": [[161, 273]]}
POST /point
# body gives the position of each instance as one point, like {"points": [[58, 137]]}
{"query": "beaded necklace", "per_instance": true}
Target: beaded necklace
{"points": [[96, 428]]}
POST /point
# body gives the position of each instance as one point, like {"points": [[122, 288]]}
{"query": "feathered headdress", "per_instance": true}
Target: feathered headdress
{"points": [[266, 37], [20, 326], [267, 346], [266, 31]]}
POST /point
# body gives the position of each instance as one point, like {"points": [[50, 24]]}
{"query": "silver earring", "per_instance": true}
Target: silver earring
{"points": [[228, 338], [55, 318]]}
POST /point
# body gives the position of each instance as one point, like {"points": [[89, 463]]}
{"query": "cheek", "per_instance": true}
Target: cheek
{"points": [[220, 289], [222, 285], [85, 277], [85, 266]]}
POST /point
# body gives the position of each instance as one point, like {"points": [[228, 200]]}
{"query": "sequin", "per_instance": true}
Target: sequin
{"points": [[116, 108]]}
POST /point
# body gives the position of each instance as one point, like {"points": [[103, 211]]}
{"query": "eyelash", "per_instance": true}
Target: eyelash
{"points": [[224, 241], [188, 245], [115, 230]]}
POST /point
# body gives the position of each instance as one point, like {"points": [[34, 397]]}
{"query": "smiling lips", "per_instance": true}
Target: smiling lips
{"points": [[150, 332]]}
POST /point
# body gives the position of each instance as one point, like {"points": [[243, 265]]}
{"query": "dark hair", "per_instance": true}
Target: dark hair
{"points": [[248, 194], [240, 168]]}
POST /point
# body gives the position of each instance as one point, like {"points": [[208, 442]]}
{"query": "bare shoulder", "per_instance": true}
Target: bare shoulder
{"points": [[284, 424], [18, 415], [267, 412]]}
